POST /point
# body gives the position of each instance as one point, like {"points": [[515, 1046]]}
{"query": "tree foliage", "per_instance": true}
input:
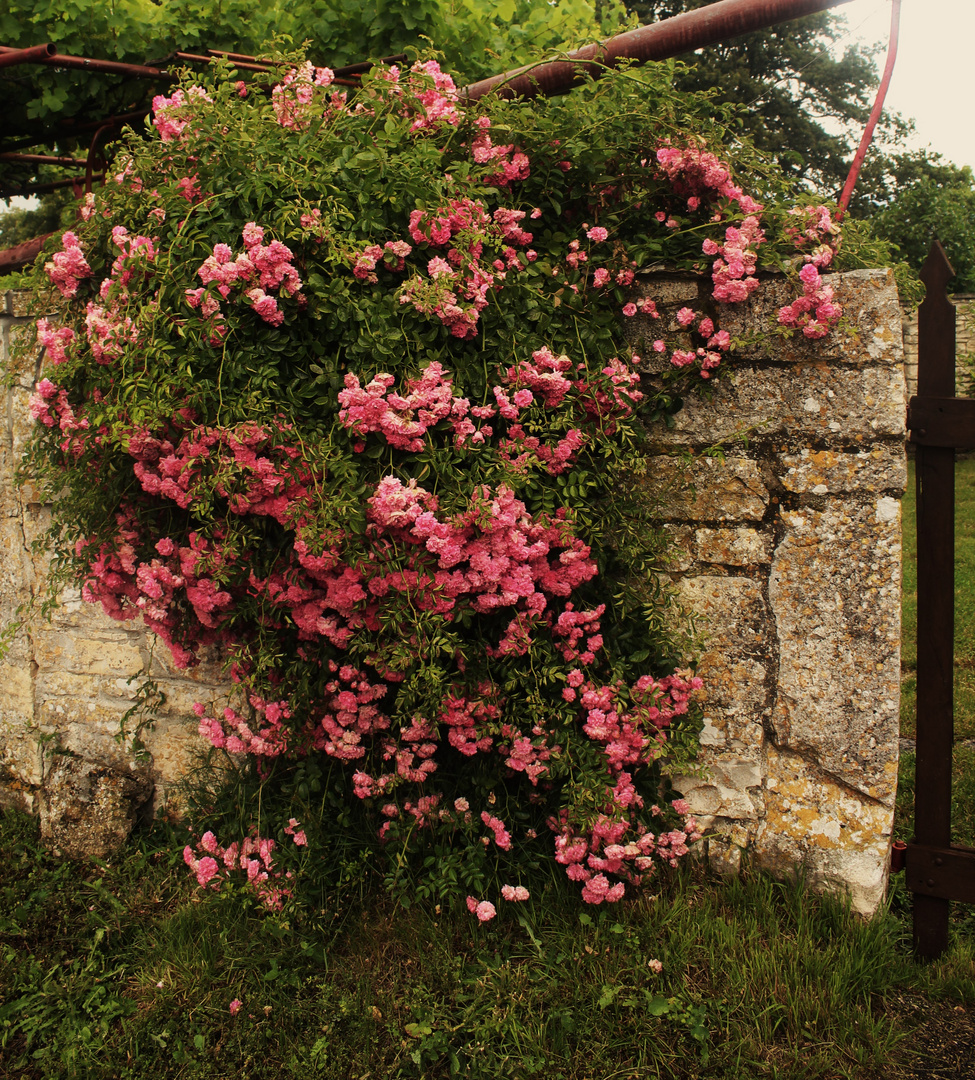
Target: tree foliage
{"points": [[912, 198], [476, 39], [801, 103]]}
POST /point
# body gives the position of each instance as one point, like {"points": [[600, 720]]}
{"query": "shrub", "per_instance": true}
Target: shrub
{"points": [[341, 388]]}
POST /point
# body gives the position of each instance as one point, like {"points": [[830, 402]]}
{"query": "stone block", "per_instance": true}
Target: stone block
{"points": [[112, 653], [812, 402], [18, 302], [733, 622], [840, 837], [835, 596], [730, 789], [717, 547], [869, 334], [707, 489], [88, 810], [882, 468]]}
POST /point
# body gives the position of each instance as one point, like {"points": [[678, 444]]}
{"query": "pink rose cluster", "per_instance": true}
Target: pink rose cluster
{"points": [[172, 115], [546, 380], [512, 164], [814, 313], [631, 734], [815, 231], [252, 859], [707, 355], [293, 98], [261, 266], [701, 177], [457, 283], [68, 267]]}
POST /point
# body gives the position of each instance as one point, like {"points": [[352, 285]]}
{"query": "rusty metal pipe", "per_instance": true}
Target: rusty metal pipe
{"points": [[21, 255], [52, 185], [658, 41], [41, 159], [878, 105], [11, 56], [36, 53]]}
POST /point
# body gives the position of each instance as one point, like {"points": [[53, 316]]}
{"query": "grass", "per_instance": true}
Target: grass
{"points": [[963, 782], [123, 970], [119, 971], [964, 605]]}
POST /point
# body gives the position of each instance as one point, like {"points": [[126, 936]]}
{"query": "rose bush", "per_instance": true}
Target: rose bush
{"points": [[339, 386]]}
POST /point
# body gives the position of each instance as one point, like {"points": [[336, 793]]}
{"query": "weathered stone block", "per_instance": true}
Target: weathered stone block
{"points": [[707, 489], [730, 547], [18, 302], [820, 472], [88, 810], [835, 596], [813, 821], [734, 621], [869, 333], [109, 652], [731, 789], [812, 402]]}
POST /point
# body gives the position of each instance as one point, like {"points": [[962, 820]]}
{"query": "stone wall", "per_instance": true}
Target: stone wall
{"points": [[964, 341], [67, 682], [787, 544]]}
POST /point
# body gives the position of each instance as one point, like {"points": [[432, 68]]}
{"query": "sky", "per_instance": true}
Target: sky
{"points": [[932, 80]]}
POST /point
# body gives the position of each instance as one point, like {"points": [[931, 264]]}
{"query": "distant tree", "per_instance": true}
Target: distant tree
{"points": [[802, 104], [911, 198], [22, 223]]}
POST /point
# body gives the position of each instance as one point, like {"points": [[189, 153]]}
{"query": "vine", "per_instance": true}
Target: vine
{"points": [[341, 389]]}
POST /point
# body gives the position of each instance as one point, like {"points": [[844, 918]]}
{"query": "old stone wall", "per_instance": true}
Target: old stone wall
{"points": [[787, 545], [964, 343], [67, 682]]}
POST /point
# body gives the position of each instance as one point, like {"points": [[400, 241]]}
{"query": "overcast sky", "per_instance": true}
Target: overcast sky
{"points": [[932, 79]]}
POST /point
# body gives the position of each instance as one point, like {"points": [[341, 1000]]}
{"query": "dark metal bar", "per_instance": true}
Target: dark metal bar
{"points": [[41, 159], [111, 67], [878, 105], [942, 421], [946, 873], [50, 185], [358, 69], [659, 41], [935, 474], [35, 54], [69, 127], [21, 255]]}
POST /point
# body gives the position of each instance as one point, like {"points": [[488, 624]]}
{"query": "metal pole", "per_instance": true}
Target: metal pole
{"points": [[659, 41], [878, 105]]}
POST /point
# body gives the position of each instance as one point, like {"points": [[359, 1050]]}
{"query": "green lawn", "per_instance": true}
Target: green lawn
{"points": [[963, 809], [123, 971], [964, 605]]}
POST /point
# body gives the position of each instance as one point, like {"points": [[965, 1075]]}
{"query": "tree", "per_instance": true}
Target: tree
{"points": [[911, 198], [46, 106], [802, 104]]}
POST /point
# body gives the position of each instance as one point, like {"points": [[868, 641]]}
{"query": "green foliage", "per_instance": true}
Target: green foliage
{"points": [[913, 198], [788, 81], [434, 623], [43, 104]]}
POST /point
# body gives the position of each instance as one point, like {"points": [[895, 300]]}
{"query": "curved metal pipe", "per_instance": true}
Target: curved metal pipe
{"points": [[658, 41], [878, 105]]}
